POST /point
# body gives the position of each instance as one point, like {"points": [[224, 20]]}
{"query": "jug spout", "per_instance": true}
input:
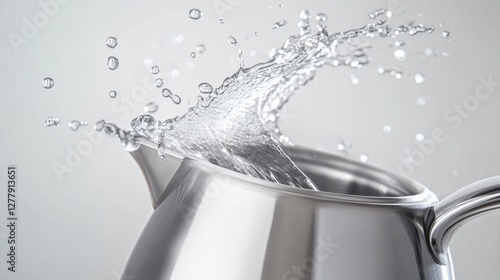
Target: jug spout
{"points": [[455, 210], [157, 172]]}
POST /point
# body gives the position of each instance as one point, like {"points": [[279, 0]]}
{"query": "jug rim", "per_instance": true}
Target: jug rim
{"points": [[422, 196]]}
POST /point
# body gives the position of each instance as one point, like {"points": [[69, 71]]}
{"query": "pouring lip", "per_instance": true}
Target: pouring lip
{"points": [[422, 198]]}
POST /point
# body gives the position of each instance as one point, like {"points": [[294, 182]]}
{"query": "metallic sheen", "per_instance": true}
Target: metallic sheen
{"points": [[363, 224]]}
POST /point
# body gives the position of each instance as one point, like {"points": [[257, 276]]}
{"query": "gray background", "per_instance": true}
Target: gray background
{"points": [[84, 224]]}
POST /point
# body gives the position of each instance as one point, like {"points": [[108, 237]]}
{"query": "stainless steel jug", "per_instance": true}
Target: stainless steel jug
{"points": [[210, 223]]}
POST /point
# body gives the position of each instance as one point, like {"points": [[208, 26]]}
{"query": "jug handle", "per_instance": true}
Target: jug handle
{"points": [[457, 209]]}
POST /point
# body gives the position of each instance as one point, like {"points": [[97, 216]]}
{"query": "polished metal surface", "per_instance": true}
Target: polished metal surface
{"points": [[364, 223]]}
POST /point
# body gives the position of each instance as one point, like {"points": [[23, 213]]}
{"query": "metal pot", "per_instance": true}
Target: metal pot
{"points": [[364, 223]]}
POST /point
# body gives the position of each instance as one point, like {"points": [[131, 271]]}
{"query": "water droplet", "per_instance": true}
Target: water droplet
{"points": [[195, 14], [381, 70], [159, 82], [428, 51], [305, 14], [340, 147], [363, 158], [205, 88], [387, 128], [52, 121], [193, 54], [399, 43], [376, 13], [419, 137], [232, 40], [421, 101], [389, 14], [48, 83], [166, 92], [399, 54], [221, 21], [445, 34], [446, 54], [419, 78], [112, 94], [111, 42], [113, 63], [200, 48], [174, 73], [279, 24], [151, 107], [75, 125], [155, 69], [281, 5], [174, 97], [321, 17], [354, 79]]}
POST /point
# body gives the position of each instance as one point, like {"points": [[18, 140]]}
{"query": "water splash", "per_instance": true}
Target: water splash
{"points": [[236, 125]]}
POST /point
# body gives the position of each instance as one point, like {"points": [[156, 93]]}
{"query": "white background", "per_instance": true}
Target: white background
{"points": [[83, 224]]}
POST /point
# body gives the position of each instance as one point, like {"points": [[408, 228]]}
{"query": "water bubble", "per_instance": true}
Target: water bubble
{"points": [[321, 17], [399, 54], [445, 34], [155, 69], [221, 21], [381, 70], [159, 82], [193, 54], [419, 137], [354, 79], [363, 158], [387, 128], [112, 94], [419, 78], [200, 48], [151, 107], [112, 63], [75, 125], [111, 42], [421, 101], [52, 121], [48, 83], [205, 88], [340, 147], [195, 14], [399, 43], [279, 24]]}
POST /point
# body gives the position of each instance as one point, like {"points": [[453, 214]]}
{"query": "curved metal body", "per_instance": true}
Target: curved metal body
{"points": [[365, 223]]}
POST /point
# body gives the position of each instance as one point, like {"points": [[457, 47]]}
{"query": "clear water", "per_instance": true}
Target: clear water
{"points": [[235, 125]]}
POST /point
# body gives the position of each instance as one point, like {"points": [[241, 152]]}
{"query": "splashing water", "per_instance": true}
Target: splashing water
{"points": [[235, 126]]}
